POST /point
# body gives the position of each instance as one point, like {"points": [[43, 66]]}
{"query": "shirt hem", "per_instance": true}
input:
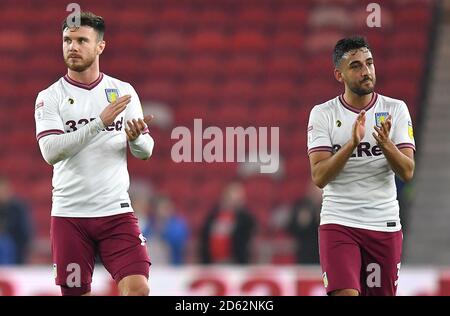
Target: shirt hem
{"points": [[90, 215], [368, 227]]}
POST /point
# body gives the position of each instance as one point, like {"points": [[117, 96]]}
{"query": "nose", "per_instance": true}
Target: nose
{"points": [[365, 71], [73, 46]]}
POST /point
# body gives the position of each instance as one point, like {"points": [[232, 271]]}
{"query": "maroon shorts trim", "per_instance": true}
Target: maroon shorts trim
{"points": [[361, 259]]}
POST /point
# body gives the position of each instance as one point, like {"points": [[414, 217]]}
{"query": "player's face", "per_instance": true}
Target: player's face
{"points": [[357, 71], [81, 47]]}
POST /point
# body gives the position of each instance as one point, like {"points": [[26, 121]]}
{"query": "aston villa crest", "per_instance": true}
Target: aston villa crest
{"points": [[112, 94]]}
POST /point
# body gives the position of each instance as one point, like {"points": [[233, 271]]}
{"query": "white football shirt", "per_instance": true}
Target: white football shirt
{"points": [[363, 195], [94, 182]]}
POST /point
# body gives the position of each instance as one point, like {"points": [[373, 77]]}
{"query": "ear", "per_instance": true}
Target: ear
{"points": [[338, 75], [100, 47]]}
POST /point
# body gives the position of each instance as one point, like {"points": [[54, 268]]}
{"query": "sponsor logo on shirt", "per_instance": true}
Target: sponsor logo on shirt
{"points": [[410, 130], [75, 125], [363, 149]]}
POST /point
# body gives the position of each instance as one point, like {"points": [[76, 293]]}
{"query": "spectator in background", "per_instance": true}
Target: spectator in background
{"points": [[303, 224], [167, 232], [15, 226], [228, 230], [169, 228]]}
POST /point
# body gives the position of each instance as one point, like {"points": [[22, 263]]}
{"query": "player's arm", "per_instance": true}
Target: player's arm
{"points": [[325, 166], [59, 146], [136, 128], [400, 160]]}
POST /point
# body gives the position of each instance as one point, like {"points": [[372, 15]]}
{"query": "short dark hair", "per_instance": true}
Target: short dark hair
{"points": [[92, 20], [347, 44]]}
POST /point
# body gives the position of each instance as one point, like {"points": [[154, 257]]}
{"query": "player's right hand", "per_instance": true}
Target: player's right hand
{"points": [[359, 128], [113, 109]]}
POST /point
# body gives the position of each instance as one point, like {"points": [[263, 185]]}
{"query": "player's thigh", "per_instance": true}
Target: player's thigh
{"points": [[73, 252], [381, 257], [122, 248], [340, 258]]}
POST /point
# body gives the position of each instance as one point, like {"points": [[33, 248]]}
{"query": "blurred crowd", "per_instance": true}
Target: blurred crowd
{"points": [[230, 233]]}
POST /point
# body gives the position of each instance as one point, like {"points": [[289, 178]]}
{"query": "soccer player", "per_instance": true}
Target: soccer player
{"points": [[357, 143], [84, 122]]}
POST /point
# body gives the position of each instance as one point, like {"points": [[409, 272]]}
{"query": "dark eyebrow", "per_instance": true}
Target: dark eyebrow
{"points": [[354, 62], [358, 62], [76, 38]]}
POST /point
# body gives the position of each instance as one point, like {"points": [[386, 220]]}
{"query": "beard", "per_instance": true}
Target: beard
{"points": [[358, 89], [79, 65]]}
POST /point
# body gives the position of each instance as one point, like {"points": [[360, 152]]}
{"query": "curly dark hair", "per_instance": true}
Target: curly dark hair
{"points": [[347, 44]]}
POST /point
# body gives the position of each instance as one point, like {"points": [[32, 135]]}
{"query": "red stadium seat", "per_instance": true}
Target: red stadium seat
{"points": [[204, 68], [411, 42], [273, 114], [133, 19], [285, 67], [249, 42], [290, 42], [413, 16], [244, 67], [209, 42], [174, 17], [158, 90], [187, 112], [323, 41], [235, 113], [238, 90], [261, 191], [319, 90], [293, 188], [169, 67], [202, 90], [167, 42], [279, 90], [254, 18], [133, 43], [319, 64], [292, 17], [405, 66], [13, 41], [213, 19]]}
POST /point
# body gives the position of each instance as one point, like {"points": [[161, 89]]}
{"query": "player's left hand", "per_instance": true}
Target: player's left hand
{"points": [[382, 133], [137, 127]]}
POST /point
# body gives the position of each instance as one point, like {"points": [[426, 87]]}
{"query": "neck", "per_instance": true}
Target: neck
{"points": [[87, 76], [357, 101]]}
